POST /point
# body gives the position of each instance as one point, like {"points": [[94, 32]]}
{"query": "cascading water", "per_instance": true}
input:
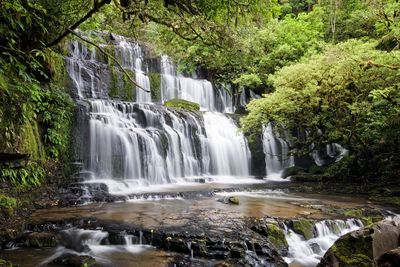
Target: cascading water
{"points": [[196, 90], [132, 57], [229, 153], [136, 144], [308, 253], [277, 153]]}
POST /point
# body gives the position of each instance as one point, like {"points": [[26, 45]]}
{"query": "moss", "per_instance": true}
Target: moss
{"points": [[113, 87], [355, 213], [233, 200], [276, 236], [315, 169], [183, 104], [4, 263], [155, 84], [291, 171], [129, 92], [304, 227], [30, 141], [351, 251]]}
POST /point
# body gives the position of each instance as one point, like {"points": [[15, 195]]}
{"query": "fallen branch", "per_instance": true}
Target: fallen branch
{"points": [[108, 55]]}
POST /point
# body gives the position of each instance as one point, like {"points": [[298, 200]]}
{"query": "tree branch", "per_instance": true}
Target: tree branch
{"points": [[95, 8], [111, 56]]}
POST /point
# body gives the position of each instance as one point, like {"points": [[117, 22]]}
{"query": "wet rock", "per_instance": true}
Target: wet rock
{"points": [[229, 200], [390, 258], [38, 240], [292, 171], [274, 234], [364, 246], [233, 200], [316, 248], [303, 227], [306, 177], [74, 260]]}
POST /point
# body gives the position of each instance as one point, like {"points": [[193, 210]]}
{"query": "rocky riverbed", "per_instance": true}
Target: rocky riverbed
{"points": [[200, 225]]}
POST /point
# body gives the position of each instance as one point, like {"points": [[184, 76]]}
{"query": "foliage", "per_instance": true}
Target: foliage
{"points": [[348, 94], [23, 178]]}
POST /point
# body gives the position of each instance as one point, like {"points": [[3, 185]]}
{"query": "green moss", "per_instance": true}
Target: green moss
{"points": [[184, 104], [351, 251], [233, 200], [304, 227], [291, 171], [4, 263], [315, 169], [129, 90], [30, 141], [355, 213], [155, 84], [276, 236]]}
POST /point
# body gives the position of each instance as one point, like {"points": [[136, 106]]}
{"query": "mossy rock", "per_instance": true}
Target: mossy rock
{"points": [[315, 169], [350, 251], [276, 236], [75, 260], [155, 85], [304, 227], [41, 239], [183, 104], [233, 200], [4, 263], [291, 171], [361, 247]]}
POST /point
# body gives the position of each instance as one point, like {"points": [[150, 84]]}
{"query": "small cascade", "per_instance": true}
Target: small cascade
{"points": [[277, 153], [229, 153], [84, 79], [175, 86], [332, 152], [308, 253], [77, 239], [226, 99], [132, 58]]}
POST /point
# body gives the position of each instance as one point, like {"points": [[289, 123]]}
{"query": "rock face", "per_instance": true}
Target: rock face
{"points": [[366, 247]]}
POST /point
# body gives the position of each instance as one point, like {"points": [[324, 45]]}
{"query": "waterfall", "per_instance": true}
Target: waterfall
{"points": [[308, 253], [131, 145], [132, 58], [277, 153], [229, 153], [176, 86]]}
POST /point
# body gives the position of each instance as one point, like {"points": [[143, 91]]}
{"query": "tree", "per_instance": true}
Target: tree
{"points": [[349, 94]]}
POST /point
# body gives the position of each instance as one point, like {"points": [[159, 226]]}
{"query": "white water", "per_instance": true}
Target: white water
{"points": [[229, 153], [277, 154], [308, 253], [73, 240], [176, 86], [132, 57]]}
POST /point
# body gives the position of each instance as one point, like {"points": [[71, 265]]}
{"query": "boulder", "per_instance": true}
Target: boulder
{"points": [[74, 260], [390, 258], [38, 240], [365, 246]]}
